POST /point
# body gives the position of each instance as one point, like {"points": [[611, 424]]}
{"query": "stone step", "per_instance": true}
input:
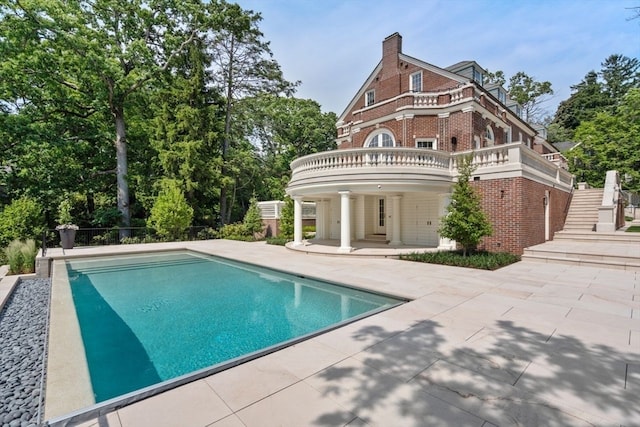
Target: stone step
{"points": [[617, 250], [605, 263], [376, 237], [593, 237]]}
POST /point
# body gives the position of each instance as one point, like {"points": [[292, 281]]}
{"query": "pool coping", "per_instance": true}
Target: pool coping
{"points": [[69, 393]]}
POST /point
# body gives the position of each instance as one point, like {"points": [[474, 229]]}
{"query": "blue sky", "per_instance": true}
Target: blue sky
{"points": [[331, 46]]}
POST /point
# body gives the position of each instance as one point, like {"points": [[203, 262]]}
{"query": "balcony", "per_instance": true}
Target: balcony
{"points": [[414, 169]]}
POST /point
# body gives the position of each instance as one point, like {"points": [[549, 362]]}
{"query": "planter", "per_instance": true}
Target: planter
{"points": [[67, 238]]}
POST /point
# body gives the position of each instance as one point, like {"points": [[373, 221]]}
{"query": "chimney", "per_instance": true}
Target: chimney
{"points": [[391, 48]]}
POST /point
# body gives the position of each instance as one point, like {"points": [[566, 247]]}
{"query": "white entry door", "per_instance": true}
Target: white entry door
{"points": [[381, 217]]}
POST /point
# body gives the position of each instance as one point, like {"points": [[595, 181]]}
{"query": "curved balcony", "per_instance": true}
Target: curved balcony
{"points": [[418, 169], [369, 166]]}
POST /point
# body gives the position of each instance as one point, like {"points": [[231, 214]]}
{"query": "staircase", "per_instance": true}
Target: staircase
{"points": [[579, 244], [583, 212]]}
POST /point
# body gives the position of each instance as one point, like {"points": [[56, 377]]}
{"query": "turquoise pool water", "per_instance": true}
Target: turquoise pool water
{"points": [[147, 319]]}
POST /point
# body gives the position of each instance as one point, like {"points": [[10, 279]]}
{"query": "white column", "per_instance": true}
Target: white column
{"points": [[345, 222], [444, 200], [297, 220], [395, 221], [319, 219], [360, 217]]}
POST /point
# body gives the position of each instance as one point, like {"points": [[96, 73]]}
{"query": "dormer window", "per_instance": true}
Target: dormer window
{"points": [[502, 96], [370, 98], [415, 83], [477, 76]]}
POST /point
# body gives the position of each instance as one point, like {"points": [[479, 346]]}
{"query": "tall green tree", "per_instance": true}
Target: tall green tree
{"points": [[188, 125], [610, 141], [465, 221], [586, 100], [284, 129], [619, 74], [84, 58], [530, 94], [526, 91], [243, 67], [597, 92]]}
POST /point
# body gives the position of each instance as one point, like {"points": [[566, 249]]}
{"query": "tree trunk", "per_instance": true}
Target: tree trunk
{"points": [[122, 170], [225, 211]]}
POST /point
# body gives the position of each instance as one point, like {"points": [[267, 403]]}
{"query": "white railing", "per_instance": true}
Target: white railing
{"points": [[371, 157], [558, 159], [397, 159], [611, 209]]}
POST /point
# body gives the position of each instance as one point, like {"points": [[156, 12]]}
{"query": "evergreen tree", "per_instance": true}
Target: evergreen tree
{"points": [[188, 124], [253, 218], [171, 214], [243, 68], [597, 92], [619, 74], [286, 219], [465, 222]]}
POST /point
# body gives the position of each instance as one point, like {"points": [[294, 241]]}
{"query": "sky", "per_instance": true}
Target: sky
{"points": [[331, 46]]}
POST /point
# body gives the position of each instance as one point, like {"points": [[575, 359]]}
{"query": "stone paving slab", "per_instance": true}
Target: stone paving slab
{"points": [[512, 347]]}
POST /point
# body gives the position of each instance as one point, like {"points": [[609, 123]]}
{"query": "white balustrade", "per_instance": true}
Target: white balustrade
{"points": [[398, 159]]}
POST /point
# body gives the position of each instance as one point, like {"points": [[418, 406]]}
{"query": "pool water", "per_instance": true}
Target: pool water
{"points": [[147, 319]]}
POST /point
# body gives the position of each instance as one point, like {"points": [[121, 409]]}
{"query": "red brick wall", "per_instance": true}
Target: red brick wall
{"points": [[516, 210]]}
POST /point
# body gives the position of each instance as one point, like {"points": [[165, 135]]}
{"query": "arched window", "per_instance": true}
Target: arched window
{"points": [[488, 135], [380, 139]]}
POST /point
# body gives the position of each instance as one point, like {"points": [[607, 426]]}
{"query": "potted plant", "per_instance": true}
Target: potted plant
{"points": [[65, 225]]}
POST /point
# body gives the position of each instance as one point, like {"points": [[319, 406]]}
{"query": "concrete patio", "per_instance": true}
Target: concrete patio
{"points": [[531, 344]]}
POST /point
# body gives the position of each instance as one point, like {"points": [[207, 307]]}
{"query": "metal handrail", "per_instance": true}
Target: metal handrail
{"points": [[112, 236]]}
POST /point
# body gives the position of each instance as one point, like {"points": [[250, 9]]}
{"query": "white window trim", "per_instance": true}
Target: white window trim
{"points": [[366, 97], [433, 141], [411, 88], [490, 136], [375, 134]]}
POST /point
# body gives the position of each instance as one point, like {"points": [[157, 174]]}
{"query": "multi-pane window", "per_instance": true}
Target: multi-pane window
{"points": [[370, 98], [381, 212], [381, 140], [416, 82], [489, 136], [426, 143]]}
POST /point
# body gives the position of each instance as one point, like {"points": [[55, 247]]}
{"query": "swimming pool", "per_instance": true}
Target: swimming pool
{"points": [[147, 319]]}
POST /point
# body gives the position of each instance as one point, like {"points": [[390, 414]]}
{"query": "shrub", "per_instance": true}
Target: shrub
{"points": [[253, 218], [236, 231], [170, 214], [21, 256], [286, 219], [138, 239], [207, 233], [22, 219], [280, 241], [480, 260], [64, 212]]}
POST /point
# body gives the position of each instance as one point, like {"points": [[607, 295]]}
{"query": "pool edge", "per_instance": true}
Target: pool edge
{"points": [[68, 385]]}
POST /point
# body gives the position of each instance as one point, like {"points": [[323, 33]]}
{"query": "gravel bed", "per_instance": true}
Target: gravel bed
{"points": [[23, 336]]}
